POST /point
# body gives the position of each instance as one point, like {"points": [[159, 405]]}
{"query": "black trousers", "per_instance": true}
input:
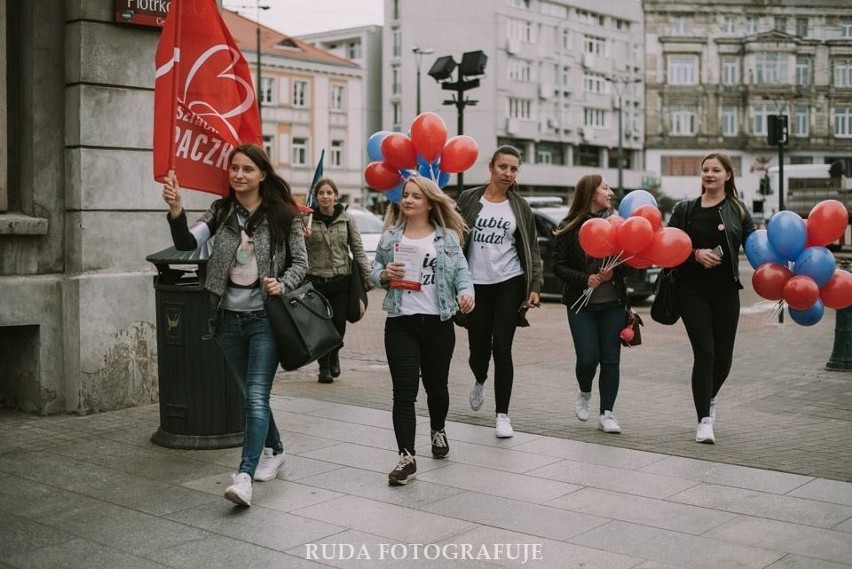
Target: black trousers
{"points": [[711, 317], [418, 346], [336, 290]]}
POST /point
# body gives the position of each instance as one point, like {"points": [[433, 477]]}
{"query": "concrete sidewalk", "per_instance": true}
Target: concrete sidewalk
{"points": [[93, 492]]}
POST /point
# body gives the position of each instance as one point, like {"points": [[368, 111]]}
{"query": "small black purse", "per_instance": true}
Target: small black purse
{"points": [[665, 309]]}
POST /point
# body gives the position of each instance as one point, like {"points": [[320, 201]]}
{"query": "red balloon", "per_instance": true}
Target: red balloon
{"points": [[801, 292], [827, 222], [399, 151], [837, 292], [634, 235], [615, 220], [381, 176], [769, 280], [669, 248], [651, 213], [638, 262], [429, 134], [459, 154], [598, 238], [627, 334]]}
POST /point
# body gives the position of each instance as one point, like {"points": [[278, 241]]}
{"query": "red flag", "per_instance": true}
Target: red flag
{"points": [[204, 101]]}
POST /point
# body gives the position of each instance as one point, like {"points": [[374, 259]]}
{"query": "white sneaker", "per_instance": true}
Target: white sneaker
{"points": [[581, 406], [608, 423], [269, 465], [704, 433], [713, 409], [240, 491], [477, 395], [503, 430]]}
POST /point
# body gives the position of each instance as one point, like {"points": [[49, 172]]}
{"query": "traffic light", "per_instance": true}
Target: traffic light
{"points": [[777, 129], [765, 188]]}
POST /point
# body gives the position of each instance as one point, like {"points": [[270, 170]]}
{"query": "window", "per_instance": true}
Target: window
{"points": [[781, 24], [338, 100], [522, 4], [680, 26], [519, 30], [266, 84], [770, 68], [557, 10], [336, 156], [397, 116], [801, 121], [395, 10], [565, 76], [519, 108], [595, 118], [300, 94], [396, 85], [846, 29], [353, 49], [543, 156], [566, 39], [803, 70], [843, 73], [269, 148], [759, 120], [682, 120], [729, 120], [594, 45], [397, 43], [843, 122], [590, 18], [299, 155], [751, 24], [587, 155], [594, 83], [730, 71], [519, 70], [802, 27], [683, 70], [680, 165], [728, 25]]}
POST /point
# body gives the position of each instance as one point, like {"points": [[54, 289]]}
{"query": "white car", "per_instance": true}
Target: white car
{"points": [[370, 226]]}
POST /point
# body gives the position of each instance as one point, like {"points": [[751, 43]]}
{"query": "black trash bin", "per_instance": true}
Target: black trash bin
{"points": [[201, 406]]}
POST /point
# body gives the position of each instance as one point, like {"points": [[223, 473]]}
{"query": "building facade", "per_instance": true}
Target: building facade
{"points": [[715, 73], [556, 76]]}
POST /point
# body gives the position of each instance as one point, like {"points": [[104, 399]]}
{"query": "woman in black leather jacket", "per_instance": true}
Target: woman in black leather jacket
{"points": [[709, 282]]}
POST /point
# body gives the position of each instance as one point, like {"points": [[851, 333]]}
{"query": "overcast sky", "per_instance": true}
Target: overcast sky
{"points": [[299, 17]]}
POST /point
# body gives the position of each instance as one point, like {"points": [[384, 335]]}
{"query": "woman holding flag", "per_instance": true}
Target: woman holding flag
{"points": [[595, 327], [332, 237], [259, 250]]}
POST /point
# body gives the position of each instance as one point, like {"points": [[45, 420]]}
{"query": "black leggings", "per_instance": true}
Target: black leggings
{"points": [[491, 329], [337, 293], [418, 346], [710, 317]]}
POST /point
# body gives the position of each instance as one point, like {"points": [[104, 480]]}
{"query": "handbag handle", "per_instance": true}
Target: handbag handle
{"points": [[312, 294]]}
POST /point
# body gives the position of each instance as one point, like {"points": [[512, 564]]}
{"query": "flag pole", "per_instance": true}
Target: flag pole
{"points": [[175, 78]]}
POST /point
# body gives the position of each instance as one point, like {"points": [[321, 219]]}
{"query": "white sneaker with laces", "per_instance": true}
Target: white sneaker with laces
{"points": [[240, 491], [581, 406], [608, 423], [503, 430], [704, 433], [477, 395], [269, 465], [713, 409]]}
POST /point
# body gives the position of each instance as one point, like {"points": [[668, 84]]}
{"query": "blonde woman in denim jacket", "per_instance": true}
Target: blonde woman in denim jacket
{"points": [[419, 333]]}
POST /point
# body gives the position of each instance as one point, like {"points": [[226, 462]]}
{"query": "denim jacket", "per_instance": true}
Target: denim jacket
{"points": [[451, 271]]}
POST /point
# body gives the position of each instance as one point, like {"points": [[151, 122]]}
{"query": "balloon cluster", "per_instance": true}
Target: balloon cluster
{"points": [[425, 151], [813, 282]]}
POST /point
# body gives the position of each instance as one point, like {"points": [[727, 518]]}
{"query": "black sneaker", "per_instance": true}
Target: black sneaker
{"points": [[440, 446], [404, 472]]}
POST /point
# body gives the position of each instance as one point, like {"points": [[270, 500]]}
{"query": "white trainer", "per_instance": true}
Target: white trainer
{"points": [[704, 433], [581, 405], [269, 465], [477, 395], [503, 430], [608, 423], [240, 491]]}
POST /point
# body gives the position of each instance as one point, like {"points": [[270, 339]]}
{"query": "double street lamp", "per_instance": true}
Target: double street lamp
{"points": [[471, 68], [620, 85], [259, 7], [419, 52]]}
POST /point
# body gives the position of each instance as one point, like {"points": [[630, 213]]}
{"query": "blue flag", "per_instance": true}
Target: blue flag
{"points": [[311, 202]]}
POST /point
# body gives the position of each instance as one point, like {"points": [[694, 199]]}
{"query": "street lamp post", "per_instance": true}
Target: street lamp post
{"points": [[471, 68], [619, 84], [419, 52], [258, 7]]}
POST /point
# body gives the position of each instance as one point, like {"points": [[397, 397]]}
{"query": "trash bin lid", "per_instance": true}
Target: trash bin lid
{"points": [[168, 256]]}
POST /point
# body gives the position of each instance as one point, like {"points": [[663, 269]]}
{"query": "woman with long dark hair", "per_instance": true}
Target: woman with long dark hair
{"points": [[259, 250]]}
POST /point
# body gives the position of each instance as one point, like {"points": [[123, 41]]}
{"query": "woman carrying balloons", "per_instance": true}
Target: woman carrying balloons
{"points": [[419, 261], [595, 327], [718, 223], [502, 250]]}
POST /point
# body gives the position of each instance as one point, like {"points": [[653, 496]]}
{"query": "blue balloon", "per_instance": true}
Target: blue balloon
{"points": [[788, 234], [817, 263], [443, 178], [425, 169], [758, 250], [374, 145], [633, 200], [394, 194], [808, 316]]}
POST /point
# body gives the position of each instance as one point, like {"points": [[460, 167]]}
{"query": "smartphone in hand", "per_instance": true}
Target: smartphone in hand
{"points": [[718, 250]]}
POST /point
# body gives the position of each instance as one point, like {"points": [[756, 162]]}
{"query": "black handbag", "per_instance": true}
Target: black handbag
{"points": [[665, 308], [302, 325], [357, 305]]}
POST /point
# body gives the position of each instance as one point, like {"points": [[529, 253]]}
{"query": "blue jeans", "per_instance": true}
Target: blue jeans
{"points": [[247, 342], [595, 330]]}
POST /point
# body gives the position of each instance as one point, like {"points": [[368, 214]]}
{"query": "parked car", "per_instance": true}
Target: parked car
{"points": [[640, 282], [370, 226]]}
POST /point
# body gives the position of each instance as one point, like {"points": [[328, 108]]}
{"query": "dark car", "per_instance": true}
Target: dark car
{"points": [[640, 282]]}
